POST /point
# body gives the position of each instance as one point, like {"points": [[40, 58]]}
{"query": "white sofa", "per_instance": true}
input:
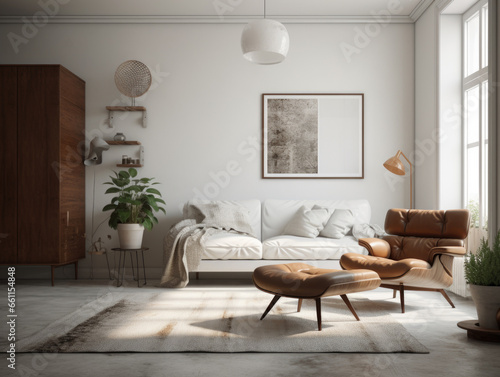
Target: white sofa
{"points": [[229, 252]]}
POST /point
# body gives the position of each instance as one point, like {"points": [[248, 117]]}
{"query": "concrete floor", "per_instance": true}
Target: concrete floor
{"points": [[429, 318]]}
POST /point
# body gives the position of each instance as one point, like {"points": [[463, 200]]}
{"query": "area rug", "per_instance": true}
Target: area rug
{"points": [[220, 320]]}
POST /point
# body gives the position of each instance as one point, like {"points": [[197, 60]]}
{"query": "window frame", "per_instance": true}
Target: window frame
{"points": [[480, 79]]}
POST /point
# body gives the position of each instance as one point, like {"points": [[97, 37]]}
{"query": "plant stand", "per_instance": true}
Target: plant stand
{"points": [[123, 255], [476, 332]]}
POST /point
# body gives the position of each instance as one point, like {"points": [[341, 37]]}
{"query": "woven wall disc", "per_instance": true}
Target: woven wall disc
{"points": [[133, 78]]}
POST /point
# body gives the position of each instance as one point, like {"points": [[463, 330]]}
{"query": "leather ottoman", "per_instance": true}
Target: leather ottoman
{"points": [[302, 281]]}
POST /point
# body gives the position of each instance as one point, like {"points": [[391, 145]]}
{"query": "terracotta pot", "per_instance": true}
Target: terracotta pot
{"points": [[130, 236], [487, 300]]}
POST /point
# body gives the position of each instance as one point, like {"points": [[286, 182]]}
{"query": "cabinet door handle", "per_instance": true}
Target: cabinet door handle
{"points": [[67, 218]]}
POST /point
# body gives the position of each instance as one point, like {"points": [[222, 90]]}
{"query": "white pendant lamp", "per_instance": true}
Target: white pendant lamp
{"points": [[265, 41]]}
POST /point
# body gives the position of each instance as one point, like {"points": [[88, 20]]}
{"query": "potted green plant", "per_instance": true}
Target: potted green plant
{"points": [[133, 204], [482, 272]]}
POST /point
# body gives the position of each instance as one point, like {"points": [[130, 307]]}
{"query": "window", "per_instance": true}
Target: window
{"points": [[475, 99]]}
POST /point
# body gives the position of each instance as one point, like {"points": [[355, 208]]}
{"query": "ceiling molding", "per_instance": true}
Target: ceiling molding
{"points": [[441, 4], [210, 19], [420, 9]]}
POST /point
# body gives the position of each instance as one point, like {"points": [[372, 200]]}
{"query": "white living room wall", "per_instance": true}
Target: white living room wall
{"points": [[204, 108], [450, 105], [425, 156]]}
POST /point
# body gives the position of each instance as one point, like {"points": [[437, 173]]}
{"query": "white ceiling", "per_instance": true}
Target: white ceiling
{"points": [[223, 10]]}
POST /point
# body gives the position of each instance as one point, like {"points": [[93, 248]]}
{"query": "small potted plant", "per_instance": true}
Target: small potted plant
{"points": [[482, 272], [133, 205]]}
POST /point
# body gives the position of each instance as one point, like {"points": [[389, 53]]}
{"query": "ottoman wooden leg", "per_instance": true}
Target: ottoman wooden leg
{"points": [[348, 303], [402, 297], [299, 306], [318, 312], [274, 301]]}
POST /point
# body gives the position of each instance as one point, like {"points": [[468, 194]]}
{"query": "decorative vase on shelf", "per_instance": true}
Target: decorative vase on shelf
{"points": [[119, 137]]}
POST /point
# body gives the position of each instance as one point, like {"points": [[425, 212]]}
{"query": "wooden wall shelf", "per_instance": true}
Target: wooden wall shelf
{"points": [[125, 108], [131, 143], [129, 165], [126, 142], [111, 109]]}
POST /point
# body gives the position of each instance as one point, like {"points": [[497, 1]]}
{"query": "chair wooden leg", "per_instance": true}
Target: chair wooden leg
{"points": [[318, 312], [447, 298], [273, 301], [402, 297], [394, 293], [348, 303], [299, 306]]}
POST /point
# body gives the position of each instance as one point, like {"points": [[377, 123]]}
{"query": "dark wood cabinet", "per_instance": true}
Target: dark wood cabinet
{"points": [[42, 198]]}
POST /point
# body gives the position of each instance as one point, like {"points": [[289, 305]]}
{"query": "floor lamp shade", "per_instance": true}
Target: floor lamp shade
{"points": [[395, 166], [265, 42]]}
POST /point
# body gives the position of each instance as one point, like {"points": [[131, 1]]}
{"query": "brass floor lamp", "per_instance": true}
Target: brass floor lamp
{"points": [[396, 166]]}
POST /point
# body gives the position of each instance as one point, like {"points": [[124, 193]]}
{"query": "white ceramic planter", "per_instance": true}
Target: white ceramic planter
{"points": [[130, 236], [487, 300]]}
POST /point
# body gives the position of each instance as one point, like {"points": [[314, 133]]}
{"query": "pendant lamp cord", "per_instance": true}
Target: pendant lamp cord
{"points": [[264, 9]]}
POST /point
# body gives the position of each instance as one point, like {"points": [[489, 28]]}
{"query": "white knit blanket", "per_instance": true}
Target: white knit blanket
{"points": [[184, 244]]}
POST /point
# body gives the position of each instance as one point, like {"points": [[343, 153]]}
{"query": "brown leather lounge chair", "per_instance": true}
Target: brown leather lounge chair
{"points": [[418, 254]]}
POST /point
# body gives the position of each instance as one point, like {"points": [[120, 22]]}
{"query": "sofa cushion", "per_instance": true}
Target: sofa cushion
{"points": [[253, 206], [225, 215], [339, 224], [307, 222], [277, 213], [226, 245], [320, 248], [384, 267]]}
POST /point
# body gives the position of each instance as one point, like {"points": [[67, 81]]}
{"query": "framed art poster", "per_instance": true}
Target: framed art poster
{"points": [[313, 136]]}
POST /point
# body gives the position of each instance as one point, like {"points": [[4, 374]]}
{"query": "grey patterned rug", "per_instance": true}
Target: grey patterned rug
{"points": [[215, 320]]}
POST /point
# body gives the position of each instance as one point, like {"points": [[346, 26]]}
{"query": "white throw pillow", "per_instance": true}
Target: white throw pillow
{"points": [[363, 231], [368, 231], [307, 222], [330, 211], [339, 224], [228, 216]]}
